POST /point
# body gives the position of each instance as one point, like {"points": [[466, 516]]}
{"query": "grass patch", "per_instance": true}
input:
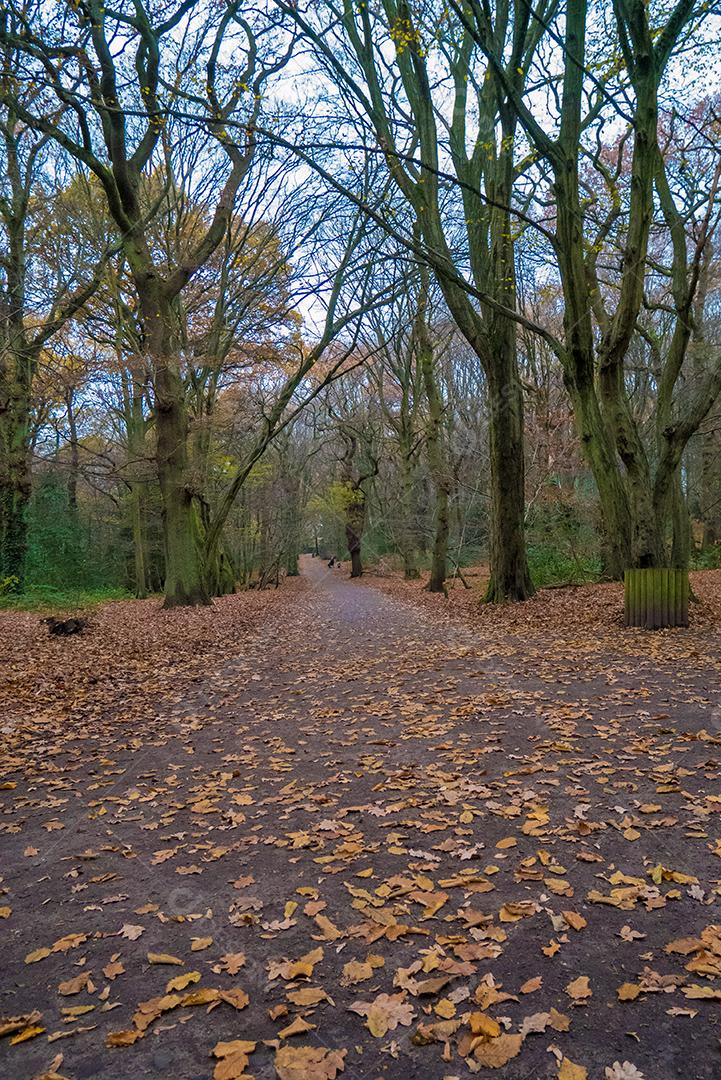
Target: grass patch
{"points": [[552, 567], [47, 598]]}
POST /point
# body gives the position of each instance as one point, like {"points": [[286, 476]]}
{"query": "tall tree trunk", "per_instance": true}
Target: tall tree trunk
{"points": [[437, 461], [407, 538], [681, 526], [510, 578], [601, 456], [15, 486], [710, 481], [355, 515], [291, 530], [74, 469], [184, 581], [135, 435], [138, 540]]}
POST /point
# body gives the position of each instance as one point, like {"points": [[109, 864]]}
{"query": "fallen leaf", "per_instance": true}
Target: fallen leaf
{"points": [[498, 1052], [568, 1071], [181, 981], [309, 1063], [385, 1013], [579, 990], [164, 958]]}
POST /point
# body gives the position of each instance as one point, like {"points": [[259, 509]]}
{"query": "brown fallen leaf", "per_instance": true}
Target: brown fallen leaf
{"points": [[230, 962], [131, 932], [10, 1024], [574, 920], [356, 971], [307, 995], [113, 968], [299, 1026], [235, 997], [69, 941], [51, 1073], [233, 1059], [385, 1013], [197, 944], [309, 1063], [74, 986], [328, 930], [122, 1038], [498, 1052], [579, 990], [628, 991]]}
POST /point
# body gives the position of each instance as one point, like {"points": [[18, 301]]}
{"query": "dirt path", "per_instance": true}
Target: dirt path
{"points": [[366, 781]]}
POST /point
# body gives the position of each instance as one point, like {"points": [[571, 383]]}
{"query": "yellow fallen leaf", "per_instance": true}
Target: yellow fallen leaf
{"points": [[507, 842], [568, 1071], [77, 1010], [697, 993], [197, 944], [181, 981], [484, 1025], [202, 996], [70, 941], [37, 954], [25, 1034], [164, 958], [5, 912], [242, 1046], [628, 991]]}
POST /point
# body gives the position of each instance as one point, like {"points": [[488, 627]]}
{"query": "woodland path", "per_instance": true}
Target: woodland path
{"points": [[365, 780]]}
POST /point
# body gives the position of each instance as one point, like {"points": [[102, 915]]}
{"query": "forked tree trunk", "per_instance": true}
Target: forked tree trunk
{"points": [[184, 580]]}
